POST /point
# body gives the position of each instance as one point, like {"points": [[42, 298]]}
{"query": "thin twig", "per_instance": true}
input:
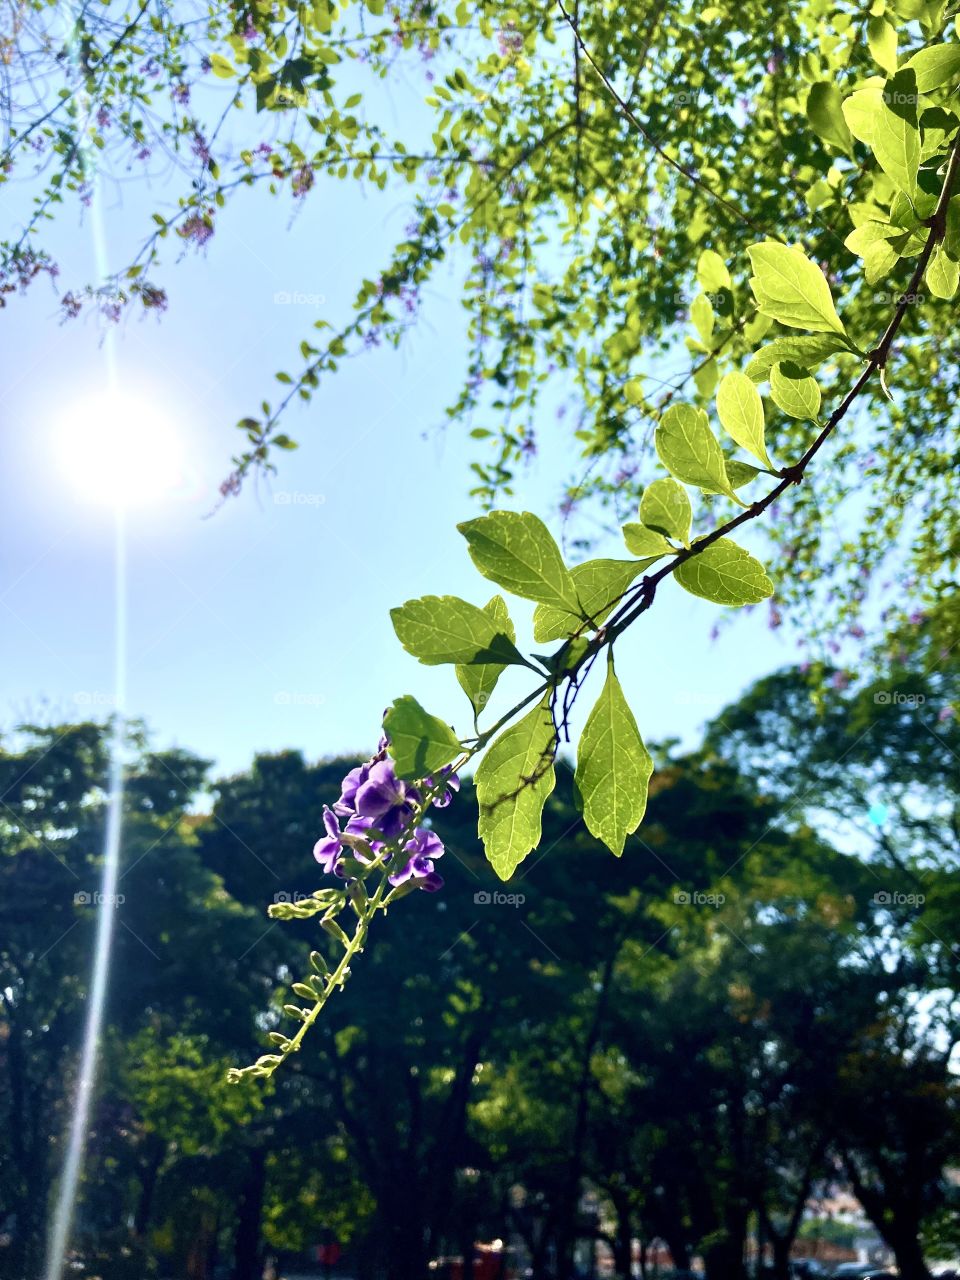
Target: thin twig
{"points": [[664, 155]]}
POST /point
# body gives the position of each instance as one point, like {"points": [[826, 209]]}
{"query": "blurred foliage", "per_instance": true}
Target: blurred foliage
{"points": [[701, 1035]]}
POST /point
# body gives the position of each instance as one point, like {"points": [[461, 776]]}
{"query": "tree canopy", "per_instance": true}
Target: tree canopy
{"points": [[701, 1035]]}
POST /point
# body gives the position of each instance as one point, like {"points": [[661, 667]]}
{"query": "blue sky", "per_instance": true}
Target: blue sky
{"points": [[267, 625]]}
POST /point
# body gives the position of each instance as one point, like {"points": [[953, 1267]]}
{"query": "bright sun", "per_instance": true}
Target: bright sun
{"points": [[119, 448]]}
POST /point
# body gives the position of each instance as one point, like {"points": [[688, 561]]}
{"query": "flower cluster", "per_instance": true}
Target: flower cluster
{"points": [[380, 810], [20, 268], [197, 228], [302, 180]]}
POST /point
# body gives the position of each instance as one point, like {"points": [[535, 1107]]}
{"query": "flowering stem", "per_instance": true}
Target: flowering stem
{"points": [[340, 974]]}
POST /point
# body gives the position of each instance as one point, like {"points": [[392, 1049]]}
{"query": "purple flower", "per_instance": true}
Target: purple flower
{"points": [[198, 229], [422, 847], [385, 799], [346, 805], [451, 785], [379, 808], [302, 180], [330, 848], [200, 148]]}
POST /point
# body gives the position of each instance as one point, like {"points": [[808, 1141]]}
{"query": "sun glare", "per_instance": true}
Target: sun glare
{"points": [[119, 448]]}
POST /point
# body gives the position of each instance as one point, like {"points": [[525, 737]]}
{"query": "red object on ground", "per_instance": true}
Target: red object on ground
{"points": [[328, 1254]]}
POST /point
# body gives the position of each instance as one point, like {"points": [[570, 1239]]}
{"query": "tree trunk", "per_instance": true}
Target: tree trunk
{"points": [[623, 1241], [148, 1185], [570, 1203], [909, 1256], [467, 1237], [407, 1257], [246, 1252], [679, 1253], [724, 1259], [781, 1255]]}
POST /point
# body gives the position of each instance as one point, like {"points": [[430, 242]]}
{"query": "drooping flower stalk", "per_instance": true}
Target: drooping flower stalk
{"points": [[386, 840]]}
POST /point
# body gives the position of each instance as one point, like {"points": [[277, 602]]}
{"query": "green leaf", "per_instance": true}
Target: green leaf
{"points": [[725, 574], [712, 273], [438, 629], [886, 120], [794, 391], [740, 410], [513, 781], [790, 288], [951, 241], [566, 657], [825, 113], [221, 66], [934, 66], [665, 508], [942, 275], [477, 680], [808, 352], [705, 378], [600, 584], [882, 41], [701, 315], [872, 241], [613, 768], [937, 126], [644, 541], [419, 742], [689, 450], [738, 473], [516, 550]]}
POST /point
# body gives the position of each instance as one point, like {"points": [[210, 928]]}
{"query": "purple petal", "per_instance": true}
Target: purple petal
{"points": [[409, 870], [426, 843], [418, 867], [327, 853], [358, 826], [331, 823], [374, 800], [379, 792], [452, 784], [348, 790]]}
